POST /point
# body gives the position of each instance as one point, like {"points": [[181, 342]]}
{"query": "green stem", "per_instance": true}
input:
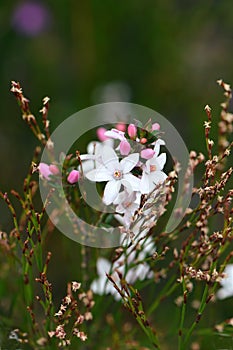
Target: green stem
{"points": [[200, 311], [146, 329], [183, 310]]}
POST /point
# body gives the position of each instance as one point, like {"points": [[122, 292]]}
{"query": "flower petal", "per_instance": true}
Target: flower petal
{"points": [[93, 147], [158, 143], [145, 183], [115, 134], [158, 177], [99, 174], [44, 170], [131, 182], [87, 166], [111, 191], [120, 218], [103, 266], [161, 160], [98, 285], [87, 156], [128, 163], [110, 159], [223, 293], [155, 178]]}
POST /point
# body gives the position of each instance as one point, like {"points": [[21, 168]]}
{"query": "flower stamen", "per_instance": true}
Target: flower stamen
{"points": [[152, 168], [117, 174]]}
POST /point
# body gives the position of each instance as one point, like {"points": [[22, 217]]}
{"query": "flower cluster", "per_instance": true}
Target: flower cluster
{"points": [[127, 159], [129, 162], [70, 307]]}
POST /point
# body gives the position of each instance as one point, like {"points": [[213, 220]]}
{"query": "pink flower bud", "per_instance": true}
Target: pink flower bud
{"points": [[124, 147], [44, 170], [147, 153], [101, 134], [132, 131], [73, 177], [155, 126], [121, 126], [54, 169], [143, 140]]}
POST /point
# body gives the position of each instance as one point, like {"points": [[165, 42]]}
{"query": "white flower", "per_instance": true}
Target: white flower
{"points": [[152, 170], [127, 203], [226, 283], [92, 159], [116, 173], [140, 272], [101, 285], [152, 173]]}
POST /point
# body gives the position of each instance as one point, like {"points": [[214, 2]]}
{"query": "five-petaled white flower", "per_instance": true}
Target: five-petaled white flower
{"points": [[116, 172], [152, 173], [93, 157]]}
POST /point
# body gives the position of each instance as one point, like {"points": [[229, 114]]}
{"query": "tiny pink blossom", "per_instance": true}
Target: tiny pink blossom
{"points": [[121, 126], [44, 170], [155, 126], [73, 177], [132, 131], [124, 147], [101, 134], [54, 169], [143, 140], [147, 153]]}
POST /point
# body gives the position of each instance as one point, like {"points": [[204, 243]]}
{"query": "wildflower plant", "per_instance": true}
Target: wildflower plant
{"points": [[169, 242]]}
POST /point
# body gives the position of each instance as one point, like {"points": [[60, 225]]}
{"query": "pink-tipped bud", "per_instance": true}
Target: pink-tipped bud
{"points": [[73, 177], [124, 147], [121, 127], [44, 170], [54, 169], [147, 153], [143, 140], [101, 134], [132, 131], [155, 126]]}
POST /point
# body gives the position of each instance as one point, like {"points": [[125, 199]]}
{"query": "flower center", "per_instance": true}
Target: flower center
{"points": [[152, 168], [117, 174], [127, 204]]}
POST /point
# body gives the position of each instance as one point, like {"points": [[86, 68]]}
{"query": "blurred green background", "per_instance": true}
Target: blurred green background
{"points": [[163, 54]]}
